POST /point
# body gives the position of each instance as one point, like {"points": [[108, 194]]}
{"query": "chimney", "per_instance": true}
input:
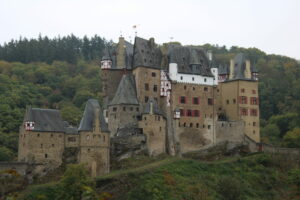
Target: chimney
{"points": [[209, 55], [151, 41], [151, 107]]}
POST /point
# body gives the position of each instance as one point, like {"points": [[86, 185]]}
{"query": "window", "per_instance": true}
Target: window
{"points": [[184, 124], [182, 99], [155, 88], [254, 101], [244, 111], [41, 145], [114, 109], [178, 124], [189, 113], [137, 109], [205, 80], [193, 78], [38, 135], [227, 101], [146, 99], [181, 112], [193, 88], [208, 126], [52, 145], [160, 128], [205, 89], [234, 101], [191, 125], [131, 108], [243, 100], [146, 86], [181, 77], [253, 112], [124, 108], [253, 91], [254, 123], [155, 99], [184, 87], [210, 101], [89, 150], [196, 100], [51, 135], [71, 139], [145, 118], [197, 125], [242, 90], [196, 113], [153, 74], [46, 155]]}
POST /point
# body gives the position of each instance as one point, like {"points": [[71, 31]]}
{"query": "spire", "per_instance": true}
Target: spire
{"points": [[126, 93]]}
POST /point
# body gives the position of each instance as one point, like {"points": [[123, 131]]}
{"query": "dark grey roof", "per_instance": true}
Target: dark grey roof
{"points": [[88, 118], [156, 109], [146, 54], [254, 68], [239, 66], [46, 120], [71, 130], [190, 60], [126, 92], [128, 54], [223, 69], [106, 54]]}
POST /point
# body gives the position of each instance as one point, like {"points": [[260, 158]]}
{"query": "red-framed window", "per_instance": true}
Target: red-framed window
{"points": [[196, 100], [253, 112], [244, 111], [243, 100], [196, 113], [182, 112], [189, 113], [182, 99], [254, 101]]}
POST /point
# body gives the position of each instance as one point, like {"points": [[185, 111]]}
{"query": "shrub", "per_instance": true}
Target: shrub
{"points": [[229, 188]]}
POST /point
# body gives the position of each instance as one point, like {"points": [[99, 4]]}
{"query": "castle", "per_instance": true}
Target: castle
{"points": [[169, 98]]}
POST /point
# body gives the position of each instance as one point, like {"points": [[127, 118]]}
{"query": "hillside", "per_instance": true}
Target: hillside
{"points": [[259, 176], [62, 73]]}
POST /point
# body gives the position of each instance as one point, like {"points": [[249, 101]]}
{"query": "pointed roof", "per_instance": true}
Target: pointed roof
{"points": [[155, 108], [223, 69], [106, 54], [45, 120], [126, 92], [88, 118], [239, 66]]}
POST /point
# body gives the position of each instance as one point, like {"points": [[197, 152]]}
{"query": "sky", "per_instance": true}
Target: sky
{"points": [[270, 25]]}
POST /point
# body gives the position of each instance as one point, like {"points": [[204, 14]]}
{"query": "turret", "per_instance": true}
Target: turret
{"points": [[106, 61]]}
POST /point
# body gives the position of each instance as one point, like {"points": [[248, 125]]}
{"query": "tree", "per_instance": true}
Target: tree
{"points": [[292, 138]]}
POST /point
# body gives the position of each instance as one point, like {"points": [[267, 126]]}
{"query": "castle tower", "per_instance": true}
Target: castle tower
{"points": [[46, 128], [106, 61], [124, 107], [146, 69], [153, 124], [94, 140], [239, 95]]}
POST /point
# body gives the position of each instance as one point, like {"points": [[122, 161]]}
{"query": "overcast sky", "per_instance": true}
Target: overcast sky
{"points": [[270, 25]]}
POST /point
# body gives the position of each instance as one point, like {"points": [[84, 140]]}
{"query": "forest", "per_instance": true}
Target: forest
{"points": [[63, 72]]}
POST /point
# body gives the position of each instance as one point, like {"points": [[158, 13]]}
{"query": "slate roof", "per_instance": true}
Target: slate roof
{"points": [[239, 66], [156, 109], [126, 92], [112, 54], [146, 54], [45, 120], [190, 60], [106, 54], [87, 121], [223, 69]]}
